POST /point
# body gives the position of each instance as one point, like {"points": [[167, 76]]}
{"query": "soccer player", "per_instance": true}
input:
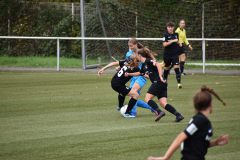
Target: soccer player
{"points": [[196, 138], [152, 69], [138, 82], [171, 53], [182, 43], [119, 81]]}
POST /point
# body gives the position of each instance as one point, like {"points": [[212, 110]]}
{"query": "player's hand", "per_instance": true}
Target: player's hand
{"points": [[190, 47], [100, 72], [163, 80], [156, 158], [146, 76], [126, 74], [118, 68], [180, 44], [222, 140]]}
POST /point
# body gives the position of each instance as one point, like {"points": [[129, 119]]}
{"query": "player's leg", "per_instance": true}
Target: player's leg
{"points": [[138, 85], [121, 100], [150, 102], [170, 108], [182, 59], [152, 91], [133, 100], [175, 61], [142, 104]]}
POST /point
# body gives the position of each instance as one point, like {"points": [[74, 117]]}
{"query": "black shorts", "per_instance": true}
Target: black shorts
{"points": [[158, 89], [121, 89], [171, 60], [182, 50]]}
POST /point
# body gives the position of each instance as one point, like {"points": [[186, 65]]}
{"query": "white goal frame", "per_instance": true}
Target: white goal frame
{"points": [[84, 65]]}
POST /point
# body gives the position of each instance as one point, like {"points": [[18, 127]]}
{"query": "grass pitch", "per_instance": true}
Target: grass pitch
{"points": [[68, 116]]}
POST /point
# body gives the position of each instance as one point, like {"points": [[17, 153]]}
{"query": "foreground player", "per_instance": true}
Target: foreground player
{"points": [[171, 53], [119, 81], [196, 138], [182, 43], [153, 70]]}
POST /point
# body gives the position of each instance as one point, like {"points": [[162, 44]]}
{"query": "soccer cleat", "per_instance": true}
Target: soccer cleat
{"points": [[179, 86], [179, 118], [159, 116], [126, 115]]}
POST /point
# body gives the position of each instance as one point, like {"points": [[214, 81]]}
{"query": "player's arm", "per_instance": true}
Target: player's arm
{"points": [[221, 140], [107, 66], [173, 147], [187, 43], [159, 67], [132, 74], [169, 42]]}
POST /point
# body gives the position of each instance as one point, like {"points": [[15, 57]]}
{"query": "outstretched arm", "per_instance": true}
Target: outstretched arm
{"points": [[174, 146], [132, 74], [222, 140], [107, 66]]}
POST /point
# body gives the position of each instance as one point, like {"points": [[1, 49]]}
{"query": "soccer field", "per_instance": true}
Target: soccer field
{"points": [[68, 116]]}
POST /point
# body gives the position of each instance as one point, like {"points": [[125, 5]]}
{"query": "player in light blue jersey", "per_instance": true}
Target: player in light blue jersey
{"points": [[137, 82]]}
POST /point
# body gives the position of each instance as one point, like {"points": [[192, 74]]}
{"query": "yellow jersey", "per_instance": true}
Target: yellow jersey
{"points": [[182, 36]]}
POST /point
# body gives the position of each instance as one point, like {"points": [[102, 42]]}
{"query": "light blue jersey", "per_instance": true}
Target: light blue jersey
{"points": [[140, 80]]}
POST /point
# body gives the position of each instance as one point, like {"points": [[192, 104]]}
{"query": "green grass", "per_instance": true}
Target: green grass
{"points": [[50, 62], [47, 62], [68, 116]]}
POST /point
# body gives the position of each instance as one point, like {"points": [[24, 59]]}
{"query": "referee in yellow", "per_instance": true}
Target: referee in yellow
{"points": [[182, 43]]}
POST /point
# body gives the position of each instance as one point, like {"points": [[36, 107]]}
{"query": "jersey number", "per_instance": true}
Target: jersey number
{"points": [[124, 68]]}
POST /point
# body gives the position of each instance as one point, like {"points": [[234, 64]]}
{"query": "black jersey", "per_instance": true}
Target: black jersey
{"points": [[199, 132], [173, 49], [119, 77], [151, 70]]}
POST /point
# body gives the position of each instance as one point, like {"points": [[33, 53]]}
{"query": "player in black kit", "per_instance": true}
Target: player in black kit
{"points": [[171, 53], [153, 70], [119, 81], [196, 138]]}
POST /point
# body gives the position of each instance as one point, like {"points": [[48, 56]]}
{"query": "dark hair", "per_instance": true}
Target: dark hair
{"points": [[132, 61], [135, 42], [203, 99], [170, 24], [147, 53], [181, 20]]}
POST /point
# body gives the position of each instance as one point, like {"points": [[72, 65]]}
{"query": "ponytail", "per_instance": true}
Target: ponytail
{"points": [[211, 91], [147, 53], [203, 99]]}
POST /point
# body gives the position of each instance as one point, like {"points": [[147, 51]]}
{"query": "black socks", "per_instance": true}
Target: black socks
{"points": [[154, 106], [131, 104], [178, 75], [121, 100], [182, 66], [171, 109]]}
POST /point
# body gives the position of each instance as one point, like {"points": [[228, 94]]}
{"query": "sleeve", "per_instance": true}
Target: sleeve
{"points": [[128, 54], [194, 125], [185, 39], [165, 37], [121, 63], [177, 31]]}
